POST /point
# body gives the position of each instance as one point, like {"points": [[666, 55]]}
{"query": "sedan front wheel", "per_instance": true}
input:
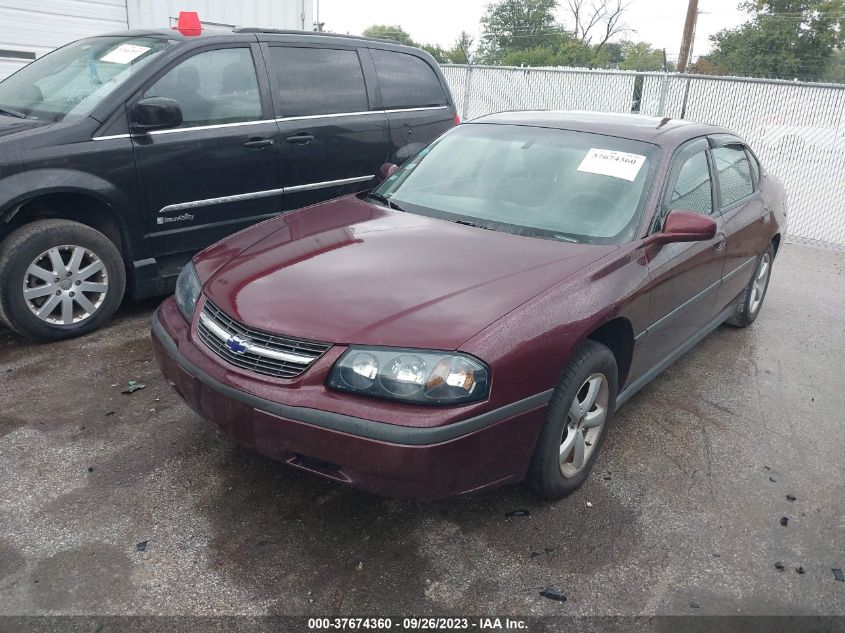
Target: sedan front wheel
{"points": [[576, 423]]}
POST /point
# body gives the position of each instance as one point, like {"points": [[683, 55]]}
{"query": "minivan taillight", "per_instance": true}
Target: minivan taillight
{"points": [[457, 119]]}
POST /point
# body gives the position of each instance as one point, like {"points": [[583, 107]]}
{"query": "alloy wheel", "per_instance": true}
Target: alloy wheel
{"points": [[65, 285], [761, 280], [584, 423]]}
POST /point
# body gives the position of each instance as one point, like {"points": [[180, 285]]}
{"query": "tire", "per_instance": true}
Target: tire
{"points": [[549, 475], [750, 302], [90, 272]]}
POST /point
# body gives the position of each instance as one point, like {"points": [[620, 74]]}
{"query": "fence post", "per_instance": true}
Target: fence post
{"points": [[467, 83], [664, 88]]}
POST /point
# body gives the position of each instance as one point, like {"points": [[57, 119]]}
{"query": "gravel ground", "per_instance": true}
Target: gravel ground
{"points": [[130, 504]]}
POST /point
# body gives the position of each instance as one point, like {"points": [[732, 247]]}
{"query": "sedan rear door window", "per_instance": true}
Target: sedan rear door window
{"points": [[735, 181]]}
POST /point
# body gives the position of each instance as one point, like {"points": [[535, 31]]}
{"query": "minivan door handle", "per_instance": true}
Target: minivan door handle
{"points": [[258, 143], [303, 138], [720, 242]]}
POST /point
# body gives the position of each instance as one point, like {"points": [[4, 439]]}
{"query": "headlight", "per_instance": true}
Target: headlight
{"points": [[188, 291], [409, 375]]}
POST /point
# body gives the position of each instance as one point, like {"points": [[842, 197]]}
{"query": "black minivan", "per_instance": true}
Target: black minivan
{"points": [[122, 155]]}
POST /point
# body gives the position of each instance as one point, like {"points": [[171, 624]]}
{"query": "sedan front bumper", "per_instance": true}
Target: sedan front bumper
{"points": [[389, 459]]}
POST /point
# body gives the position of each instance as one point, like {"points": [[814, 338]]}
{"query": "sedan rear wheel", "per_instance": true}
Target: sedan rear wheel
{"points": [[751, 300]]}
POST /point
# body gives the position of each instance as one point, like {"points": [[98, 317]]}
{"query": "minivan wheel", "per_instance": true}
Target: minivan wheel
{"points": [[751, 300], [577, 419], [59, 279]]}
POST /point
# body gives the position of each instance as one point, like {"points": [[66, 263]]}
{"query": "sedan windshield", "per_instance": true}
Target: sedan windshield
{"points": [[73, 80], [538, 182]]}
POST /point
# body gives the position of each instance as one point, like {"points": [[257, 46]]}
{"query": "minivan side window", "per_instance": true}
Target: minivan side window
{"points": [[692, 191], [315, 81], [735, 182], [406, 81], [212, 88]]}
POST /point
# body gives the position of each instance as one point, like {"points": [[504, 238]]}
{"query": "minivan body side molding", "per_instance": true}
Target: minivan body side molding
{"points": [[193, 204], [307, 117]]}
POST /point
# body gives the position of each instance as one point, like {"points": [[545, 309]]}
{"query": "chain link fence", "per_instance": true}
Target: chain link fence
{"points": [[797, 129]]}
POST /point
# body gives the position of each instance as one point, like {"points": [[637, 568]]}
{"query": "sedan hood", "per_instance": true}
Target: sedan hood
{"points": [[351, 272]]}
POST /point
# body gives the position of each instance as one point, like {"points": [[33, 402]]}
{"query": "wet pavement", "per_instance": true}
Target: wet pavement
{"points": [[687, 496]]}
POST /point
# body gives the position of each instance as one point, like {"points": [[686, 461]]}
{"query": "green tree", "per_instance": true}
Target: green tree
{"points": [[461, 51], [386, 32], [440, 55], [640, 56], [518, 25], [784, 39]]}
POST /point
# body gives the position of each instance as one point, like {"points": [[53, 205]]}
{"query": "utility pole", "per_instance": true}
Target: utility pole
{"points": [[689, 31]]}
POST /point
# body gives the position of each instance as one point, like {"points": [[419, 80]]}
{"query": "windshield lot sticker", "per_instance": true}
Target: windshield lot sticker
{"points": [[124, 54], [607, 162]]}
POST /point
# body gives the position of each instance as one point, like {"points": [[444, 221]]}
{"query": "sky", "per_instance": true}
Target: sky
{"points": [[658, 22]]}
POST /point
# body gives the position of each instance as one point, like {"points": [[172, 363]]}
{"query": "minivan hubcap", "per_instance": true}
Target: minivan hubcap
{"points": [[761, 280], [584, 423], [65, 285]]}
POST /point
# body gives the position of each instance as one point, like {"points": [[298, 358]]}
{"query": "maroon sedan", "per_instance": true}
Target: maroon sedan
{"points": [[476, 319]]}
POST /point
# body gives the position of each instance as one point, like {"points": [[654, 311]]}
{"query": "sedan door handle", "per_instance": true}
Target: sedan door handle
{"points": [[720, 242], [303, 138], [258, 143]]}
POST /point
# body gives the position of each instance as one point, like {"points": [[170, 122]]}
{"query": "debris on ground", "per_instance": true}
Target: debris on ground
{"points": [[553, 594], [141, 547], [134, 386], [607, 477], [791, 497], [589, 504], [784, 521], [108, 413], [837, 573], [518, 513], [800, 570], [90, 469], [360, 566], [779, 566], [694, 605], [773, 480]]}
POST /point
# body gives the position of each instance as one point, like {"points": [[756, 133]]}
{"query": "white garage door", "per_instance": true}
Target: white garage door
{"points": [[31, 29]]}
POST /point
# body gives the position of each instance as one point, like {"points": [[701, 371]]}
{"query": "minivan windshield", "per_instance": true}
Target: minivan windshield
{"points": [[538, 182], [73, 80]]}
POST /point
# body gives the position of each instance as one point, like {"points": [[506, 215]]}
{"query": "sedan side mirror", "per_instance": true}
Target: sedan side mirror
{"points": [[684, 226], [386, 171], [155, 113]]}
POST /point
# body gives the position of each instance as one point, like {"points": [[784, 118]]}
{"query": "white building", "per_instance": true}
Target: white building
{"points": [[32, 28]]}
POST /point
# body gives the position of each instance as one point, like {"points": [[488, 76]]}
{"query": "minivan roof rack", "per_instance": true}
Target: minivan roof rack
{"points": [[255, 29]]}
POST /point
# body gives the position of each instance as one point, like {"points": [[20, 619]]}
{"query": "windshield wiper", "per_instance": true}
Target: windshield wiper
{"points": [[385, 200], [14, 113], [478, 226]]}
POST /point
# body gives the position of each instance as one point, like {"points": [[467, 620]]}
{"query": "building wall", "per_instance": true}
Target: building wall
{"points": [[277, 14], [35, 27], [29, 27]]}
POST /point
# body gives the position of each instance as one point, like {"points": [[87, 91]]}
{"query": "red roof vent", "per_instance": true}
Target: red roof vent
{"points": [[188, 24]]}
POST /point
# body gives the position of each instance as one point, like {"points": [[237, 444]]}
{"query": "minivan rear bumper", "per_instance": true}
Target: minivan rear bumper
{"points": [[386, 459]]}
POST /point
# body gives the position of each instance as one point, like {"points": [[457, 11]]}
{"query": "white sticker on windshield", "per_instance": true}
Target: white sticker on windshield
{"points": [[608, 162], [124, 54]]}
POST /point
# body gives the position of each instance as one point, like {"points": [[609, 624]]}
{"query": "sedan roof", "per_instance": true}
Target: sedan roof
{"points": [[660, 131]]}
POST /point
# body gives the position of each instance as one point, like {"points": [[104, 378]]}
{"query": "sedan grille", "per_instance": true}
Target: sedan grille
{"points": [[260, 352]]}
